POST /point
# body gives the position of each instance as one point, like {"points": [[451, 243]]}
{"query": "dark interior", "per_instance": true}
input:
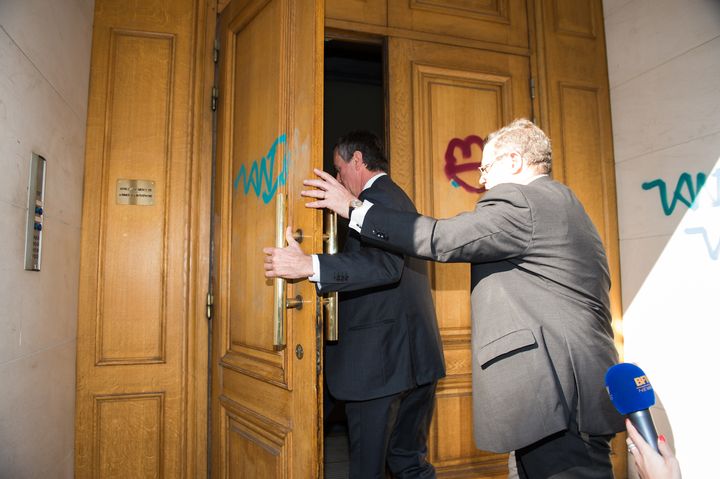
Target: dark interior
{"points": [[354, 99]]}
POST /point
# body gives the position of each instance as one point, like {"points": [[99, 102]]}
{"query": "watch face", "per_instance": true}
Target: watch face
{"points": [[356, 203]]}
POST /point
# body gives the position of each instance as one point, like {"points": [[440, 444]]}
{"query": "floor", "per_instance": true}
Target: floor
{"points": [[336, 454]]}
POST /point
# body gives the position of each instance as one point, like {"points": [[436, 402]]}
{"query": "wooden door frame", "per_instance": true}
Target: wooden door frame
{"points": [[198, 345], [198, 376]]}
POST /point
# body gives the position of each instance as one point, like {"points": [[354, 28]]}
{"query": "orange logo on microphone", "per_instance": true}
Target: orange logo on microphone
{"points": [[641, 381], [642, 384]]}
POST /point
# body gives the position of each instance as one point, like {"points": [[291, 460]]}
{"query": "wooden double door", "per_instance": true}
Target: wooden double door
{"points": [[455, 71], [442, 101]]}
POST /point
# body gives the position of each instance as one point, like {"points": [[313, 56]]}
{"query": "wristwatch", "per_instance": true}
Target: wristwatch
{"points": [[356, 203]]}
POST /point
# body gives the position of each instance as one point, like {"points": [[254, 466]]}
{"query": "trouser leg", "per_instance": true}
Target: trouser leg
{"points": [[393, 430], [407, 450], [370, 424]]}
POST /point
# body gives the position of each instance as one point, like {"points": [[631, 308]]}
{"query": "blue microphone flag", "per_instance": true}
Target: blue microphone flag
{"points": [[629, 388]]}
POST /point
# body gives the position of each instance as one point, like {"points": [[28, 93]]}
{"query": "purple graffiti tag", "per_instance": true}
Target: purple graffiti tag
{"points": [[453, 169]]}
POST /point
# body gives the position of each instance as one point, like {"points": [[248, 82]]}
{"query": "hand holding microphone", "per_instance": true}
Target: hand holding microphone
{"points": [[649, 464], [631, 393]]}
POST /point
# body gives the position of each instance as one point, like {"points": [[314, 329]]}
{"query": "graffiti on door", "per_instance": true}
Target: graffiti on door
{"points": [[457, 167], [261, 177]]}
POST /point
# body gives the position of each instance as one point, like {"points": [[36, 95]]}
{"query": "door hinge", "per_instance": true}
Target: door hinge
{"points": [[209, 306], [214, 98], [532, 88], [216, 51]]}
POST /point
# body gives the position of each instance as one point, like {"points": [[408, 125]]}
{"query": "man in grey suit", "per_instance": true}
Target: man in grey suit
{"points": [[541, 336], [388, 358]]}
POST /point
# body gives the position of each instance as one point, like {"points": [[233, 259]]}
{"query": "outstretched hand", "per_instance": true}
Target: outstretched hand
{"points": [[289, 262], [330, 194], [650, 464]]}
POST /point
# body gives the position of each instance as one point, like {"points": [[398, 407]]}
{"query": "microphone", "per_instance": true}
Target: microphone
{"points": [[631, 393]]}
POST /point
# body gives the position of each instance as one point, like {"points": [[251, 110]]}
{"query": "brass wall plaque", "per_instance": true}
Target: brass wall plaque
{"points": [[135, 192]]}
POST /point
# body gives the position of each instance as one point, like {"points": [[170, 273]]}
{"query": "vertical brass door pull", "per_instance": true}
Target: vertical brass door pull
{"points": [[330, 301], [279, 306], [281, 302]]}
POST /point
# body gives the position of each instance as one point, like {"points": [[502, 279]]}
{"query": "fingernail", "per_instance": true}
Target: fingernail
{"points": [[662, 438]]}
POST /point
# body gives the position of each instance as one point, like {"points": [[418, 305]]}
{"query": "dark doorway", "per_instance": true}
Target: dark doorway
{"points": [[354, 99], [354, 91]]}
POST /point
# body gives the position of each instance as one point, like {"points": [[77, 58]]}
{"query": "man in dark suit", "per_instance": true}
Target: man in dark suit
{"points": [[388, 358], [541, 337]]}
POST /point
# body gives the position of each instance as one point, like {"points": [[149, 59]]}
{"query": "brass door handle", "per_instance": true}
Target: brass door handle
{"points": [[279, 314], [330, 301], [281, 302]]}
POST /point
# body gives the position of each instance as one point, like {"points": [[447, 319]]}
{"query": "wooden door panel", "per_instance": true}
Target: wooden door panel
{"points": [[139, 454], [369, 12], [579, 138], [497, 21], [452, 448], [258, 448], [137, 149], [443, 102], [255, 97], [136, 405], [265, 397]]}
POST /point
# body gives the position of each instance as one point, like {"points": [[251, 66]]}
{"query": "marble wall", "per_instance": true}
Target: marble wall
{"points": [[664, 69], [44, 72]]}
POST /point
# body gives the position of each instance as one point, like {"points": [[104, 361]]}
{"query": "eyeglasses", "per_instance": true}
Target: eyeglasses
{"points": [[485, 168]]}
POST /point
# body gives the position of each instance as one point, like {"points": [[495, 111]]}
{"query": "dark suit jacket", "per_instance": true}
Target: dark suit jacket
{"points": [[388, 335], [541, 335]]}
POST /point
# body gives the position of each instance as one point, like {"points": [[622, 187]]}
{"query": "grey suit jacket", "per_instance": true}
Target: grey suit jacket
{"points": [[388, 335], [541, 334]]}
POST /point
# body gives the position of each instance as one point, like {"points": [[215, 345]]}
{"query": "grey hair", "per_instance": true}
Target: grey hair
{"points": [[530, 142]]}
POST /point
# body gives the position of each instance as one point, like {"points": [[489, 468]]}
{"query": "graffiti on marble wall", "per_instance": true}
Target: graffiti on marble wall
{"points": [[713, 250], [456, 167], [687, 191]]}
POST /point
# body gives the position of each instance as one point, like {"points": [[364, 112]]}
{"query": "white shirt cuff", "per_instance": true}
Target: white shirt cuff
{"points": [[358, 216], [315, 278]]}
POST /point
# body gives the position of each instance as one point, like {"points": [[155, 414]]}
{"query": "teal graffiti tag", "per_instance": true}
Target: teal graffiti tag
{"points": [[716, 201], [262, 175], [713, 252], [685, 181], [687, 193]]}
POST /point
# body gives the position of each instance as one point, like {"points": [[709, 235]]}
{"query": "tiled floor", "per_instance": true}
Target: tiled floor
{"points": [[336, 454]]}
